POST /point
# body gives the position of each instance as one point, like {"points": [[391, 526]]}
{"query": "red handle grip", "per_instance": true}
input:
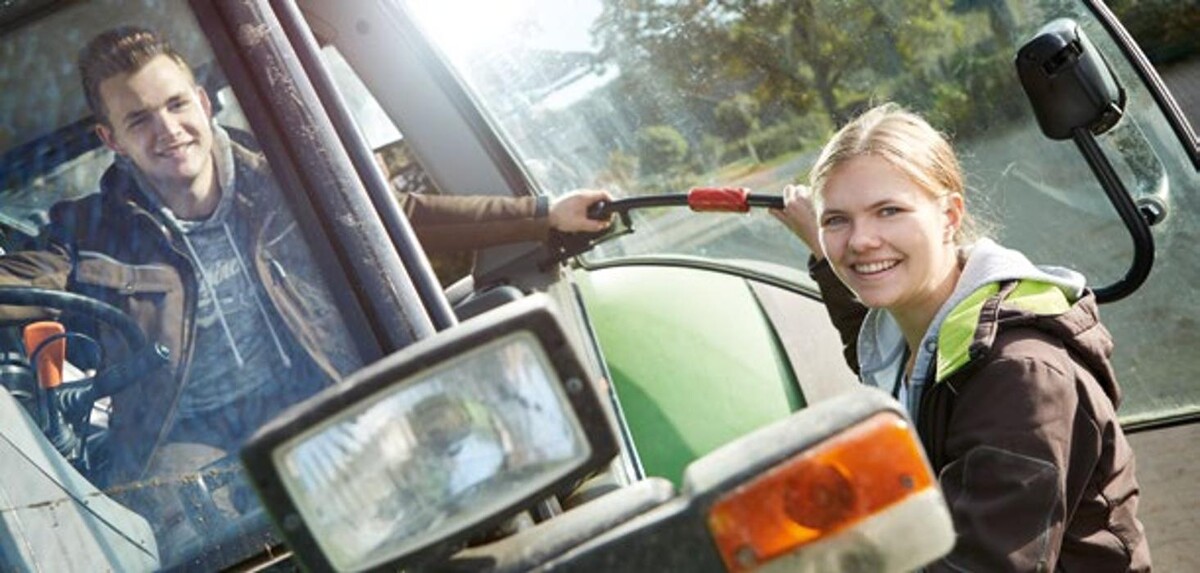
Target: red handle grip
{"points": [[728, 199]]}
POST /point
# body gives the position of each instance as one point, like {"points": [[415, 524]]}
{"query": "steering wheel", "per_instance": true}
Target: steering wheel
{"points": [[62, 411]]}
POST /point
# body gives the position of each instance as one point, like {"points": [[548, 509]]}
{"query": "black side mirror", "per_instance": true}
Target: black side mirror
{"points": [[1068, 82], [1076, 96]]}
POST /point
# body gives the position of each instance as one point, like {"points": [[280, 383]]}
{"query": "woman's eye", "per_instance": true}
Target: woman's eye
{"points": [[889, 211], [833, 221]]}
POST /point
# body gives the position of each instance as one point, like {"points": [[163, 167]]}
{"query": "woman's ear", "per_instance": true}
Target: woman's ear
{"points": [[954, 208]]}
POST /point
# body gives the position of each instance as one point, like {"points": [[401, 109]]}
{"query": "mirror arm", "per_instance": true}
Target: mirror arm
{"points": [[1133, 218]]}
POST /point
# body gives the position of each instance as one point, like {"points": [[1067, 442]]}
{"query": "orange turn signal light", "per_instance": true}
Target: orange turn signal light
{"points": [[827, 488]]}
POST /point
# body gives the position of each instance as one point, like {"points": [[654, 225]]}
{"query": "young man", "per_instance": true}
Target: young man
{"points": [[190, 236]]}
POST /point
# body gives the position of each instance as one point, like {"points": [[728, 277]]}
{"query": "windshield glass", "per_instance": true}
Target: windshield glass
{"points": [[168, 212], [659, 97]]}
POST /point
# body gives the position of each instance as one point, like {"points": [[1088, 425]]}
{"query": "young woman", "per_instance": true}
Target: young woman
{"points": [[1003, 365]]}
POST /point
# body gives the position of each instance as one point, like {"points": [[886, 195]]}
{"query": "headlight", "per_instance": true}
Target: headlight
{"points": [[427, 456], [421, 450]]}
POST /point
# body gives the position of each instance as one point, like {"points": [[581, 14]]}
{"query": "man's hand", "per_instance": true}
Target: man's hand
{"points": [[800, 216], [568, 214]]}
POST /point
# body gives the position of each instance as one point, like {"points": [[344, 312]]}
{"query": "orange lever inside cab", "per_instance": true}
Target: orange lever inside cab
{"points": [[50, 360]]}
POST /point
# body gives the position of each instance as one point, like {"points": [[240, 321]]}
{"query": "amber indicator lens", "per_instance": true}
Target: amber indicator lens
{"points": [[826, 489]]}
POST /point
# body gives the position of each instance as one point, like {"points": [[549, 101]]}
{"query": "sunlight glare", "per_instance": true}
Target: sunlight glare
{"points": [[461, 27]]}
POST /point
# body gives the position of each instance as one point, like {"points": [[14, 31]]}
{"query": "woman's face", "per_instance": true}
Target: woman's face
{"points": [[890, 241]]}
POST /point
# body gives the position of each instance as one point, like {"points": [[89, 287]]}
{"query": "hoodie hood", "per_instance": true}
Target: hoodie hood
{"points": [[1050, 298]]}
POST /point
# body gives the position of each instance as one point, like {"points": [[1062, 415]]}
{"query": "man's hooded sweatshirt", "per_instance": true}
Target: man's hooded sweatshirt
{"points": [[1014, 397]]}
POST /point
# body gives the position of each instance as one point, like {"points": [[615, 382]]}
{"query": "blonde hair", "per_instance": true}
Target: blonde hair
{"points": [[909, 144]]}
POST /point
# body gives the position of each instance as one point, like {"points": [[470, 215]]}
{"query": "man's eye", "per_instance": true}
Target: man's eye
{"points": [[177, 105], [135, 122]]}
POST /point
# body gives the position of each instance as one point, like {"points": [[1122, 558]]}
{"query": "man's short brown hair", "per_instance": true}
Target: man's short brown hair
{"points": [[121, 50]]}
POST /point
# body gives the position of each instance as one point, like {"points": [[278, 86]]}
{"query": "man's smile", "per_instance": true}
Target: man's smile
{"points": [[175, 150]]}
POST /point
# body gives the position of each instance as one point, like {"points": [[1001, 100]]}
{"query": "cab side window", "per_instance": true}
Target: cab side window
{"points": [[405, 175], [1166, 32], [151, 187], [394, 156]]}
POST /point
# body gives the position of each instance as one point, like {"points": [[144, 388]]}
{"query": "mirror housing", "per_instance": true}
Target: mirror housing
{"points": [[1068, 82]]}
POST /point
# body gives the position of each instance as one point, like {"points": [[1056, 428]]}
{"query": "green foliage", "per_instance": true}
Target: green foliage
{"points": [[776, 140], [1167, 30], [972, 90], [800, 67], [709, 154], [809, 55], [795, 134], [661, 150], [621, 172], [737, 116]]}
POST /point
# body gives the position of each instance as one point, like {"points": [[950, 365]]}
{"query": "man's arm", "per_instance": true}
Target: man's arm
{"points": [[455, 223], [48, 269]]}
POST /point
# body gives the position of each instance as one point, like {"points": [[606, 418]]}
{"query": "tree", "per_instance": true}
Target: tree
{"points": [[620, 174], [807, 53], [661, 150], [737, 118], [1166, 30]]}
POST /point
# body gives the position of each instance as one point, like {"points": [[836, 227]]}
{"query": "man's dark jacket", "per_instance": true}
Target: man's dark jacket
{"points": [[116, 247]]}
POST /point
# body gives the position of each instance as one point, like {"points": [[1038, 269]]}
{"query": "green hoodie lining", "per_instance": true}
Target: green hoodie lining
{"points": [[958, 329]]}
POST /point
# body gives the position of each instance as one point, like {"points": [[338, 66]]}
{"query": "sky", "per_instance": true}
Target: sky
{"points": [[463, 26]]}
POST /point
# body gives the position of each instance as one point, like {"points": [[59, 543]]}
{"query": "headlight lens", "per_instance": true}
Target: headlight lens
{"points": [[425, 457]]}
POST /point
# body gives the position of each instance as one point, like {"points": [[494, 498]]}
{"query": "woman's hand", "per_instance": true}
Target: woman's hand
{"points": [[800, 216]]}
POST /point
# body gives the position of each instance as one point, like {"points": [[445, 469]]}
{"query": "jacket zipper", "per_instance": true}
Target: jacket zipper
{"points": [[189, 327]]}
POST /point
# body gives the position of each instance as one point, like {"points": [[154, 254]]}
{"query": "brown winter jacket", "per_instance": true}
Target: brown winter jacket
{"points": [[445, 223], [1020, 426], [114, 246]]}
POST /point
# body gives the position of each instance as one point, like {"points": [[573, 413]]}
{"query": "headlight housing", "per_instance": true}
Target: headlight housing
{"points": [[412, 455]]}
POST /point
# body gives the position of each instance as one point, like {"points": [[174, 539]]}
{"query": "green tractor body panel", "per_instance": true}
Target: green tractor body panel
{"points": [[694, 361]]}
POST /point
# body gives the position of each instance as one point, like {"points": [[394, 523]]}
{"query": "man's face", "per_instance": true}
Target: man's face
{"points": [[159, 119]]}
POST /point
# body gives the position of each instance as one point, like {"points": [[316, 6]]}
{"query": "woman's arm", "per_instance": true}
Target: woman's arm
{"points": [[800, 217]]}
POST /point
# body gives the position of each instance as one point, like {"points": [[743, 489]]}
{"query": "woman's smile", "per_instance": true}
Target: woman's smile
{"points": [[874, 268]]}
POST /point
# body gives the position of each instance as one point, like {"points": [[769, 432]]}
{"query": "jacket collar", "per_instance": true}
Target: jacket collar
{"points": [[970, 328], [988, 265]]}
